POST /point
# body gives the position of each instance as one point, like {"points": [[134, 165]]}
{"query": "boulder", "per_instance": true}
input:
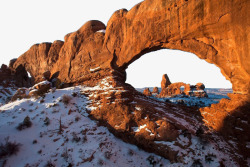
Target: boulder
{"points": [[20, 94], [46, 75], [42, 87]]}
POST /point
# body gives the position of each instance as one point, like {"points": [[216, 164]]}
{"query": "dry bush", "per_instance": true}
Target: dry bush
{"points": [[75, 138], [25, 124], [8, 148], [197, 163], [34, 142], [130, 152], [46, 121], [50, 164], [66, 99], [107, 154]]}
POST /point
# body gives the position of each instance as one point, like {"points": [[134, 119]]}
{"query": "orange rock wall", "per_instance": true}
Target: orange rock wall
{"points": [[214, 30]]}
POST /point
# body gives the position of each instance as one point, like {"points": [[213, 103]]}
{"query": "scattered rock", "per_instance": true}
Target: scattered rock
{"points": [[20, 94]]}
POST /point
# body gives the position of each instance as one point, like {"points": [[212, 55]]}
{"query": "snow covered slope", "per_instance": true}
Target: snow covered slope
{"points": [[62, 133], [78, 141]]}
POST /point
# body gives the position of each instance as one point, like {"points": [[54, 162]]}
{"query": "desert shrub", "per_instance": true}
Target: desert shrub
{"points": [[25, 124], [75, 138], [42, 101], [55, 111], [34, 141], [209, 158], [8, 148], [151, 160], [85, 139], [107, 154], [131, 152], [46, 121], [65, 154], [74, 94], [67, 157], [66, 99], [199, 132], [70, 165], [100, 162], [77, 118], [50, 164], [197, 163]]}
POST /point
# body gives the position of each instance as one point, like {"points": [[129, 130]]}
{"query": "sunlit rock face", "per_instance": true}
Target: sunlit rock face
{"points": [[165, 82], [216, 31]]}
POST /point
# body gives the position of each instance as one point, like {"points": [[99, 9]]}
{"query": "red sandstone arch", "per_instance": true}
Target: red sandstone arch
{"points": [[216, 31], [209, 29], [213, 30]]}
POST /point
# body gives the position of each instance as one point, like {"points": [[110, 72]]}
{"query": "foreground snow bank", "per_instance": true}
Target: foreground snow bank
{"points": [[63, 134]]}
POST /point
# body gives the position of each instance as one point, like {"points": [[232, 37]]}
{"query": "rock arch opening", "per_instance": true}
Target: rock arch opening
{"points": [[191, 78]]}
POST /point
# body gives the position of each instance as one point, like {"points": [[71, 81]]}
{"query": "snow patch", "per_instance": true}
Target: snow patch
{"points": [[138, 129], [94, 69]]}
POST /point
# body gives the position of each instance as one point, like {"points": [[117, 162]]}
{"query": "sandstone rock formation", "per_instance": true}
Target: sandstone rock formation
{"points": [[20, 94], [165, 82], [216, 31], [155, 90], [180, 88], [175, 89], [147, 92], [36, 91], [17, 77], [200, 86]]}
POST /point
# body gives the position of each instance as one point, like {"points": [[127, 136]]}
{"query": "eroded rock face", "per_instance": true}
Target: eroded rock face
{"points": [[17, 77]]}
